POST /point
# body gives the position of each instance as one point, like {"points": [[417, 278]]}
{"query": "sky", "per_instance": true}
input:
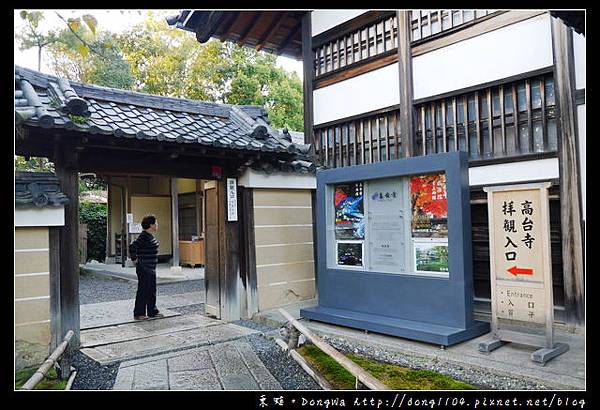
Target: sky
{"points": [[109, 20]]}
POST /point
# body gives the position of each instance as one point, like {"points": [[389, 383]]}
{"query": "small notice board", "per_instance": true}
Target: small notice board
{"points": [[521, 269]]}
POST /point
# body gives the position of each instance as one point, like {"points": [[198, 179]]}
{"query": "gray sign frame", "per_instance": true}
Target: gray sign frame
{"points": [[436, 310]]}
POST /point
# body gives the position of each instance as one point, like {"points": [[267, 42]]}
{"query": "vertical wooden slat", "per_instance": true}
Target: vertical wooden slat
{"points": [[397, 141], [375, 33], [490, 121], [543, 98], [502, 120], [429, 21], [339, 146], [466, 120], [455, 124], [478, 126], [355, 143], [326, 148], [387, 134], [451, 17], [433, 129], [423, 131], [529, 122], [383, 24], [419, 25], [516, 118], [362, 141], [444, 136]]}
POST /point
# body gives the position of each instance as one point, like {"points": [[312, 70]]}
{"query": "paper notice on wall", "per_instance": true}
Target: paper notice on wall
{"points": [[232, 200], [129, 218]]}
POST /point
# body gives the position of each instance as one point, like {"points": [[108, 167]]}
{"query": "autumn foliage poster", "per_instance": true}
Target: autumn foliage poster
{"points": [[429, 206]]}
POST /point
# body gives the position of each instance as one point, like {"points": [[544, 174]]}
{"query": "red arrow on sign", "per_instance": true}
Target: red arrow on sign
{"points": [[519, 271]]}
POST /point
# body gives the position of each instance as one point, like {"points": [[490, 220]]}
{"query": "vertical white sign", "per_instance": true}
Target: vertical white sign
{"points": [[231, 200]]}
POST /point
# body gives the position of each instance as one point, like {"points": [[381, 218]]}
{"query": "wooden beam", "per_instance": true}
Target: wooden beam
{"points": [[571, 222], [308, 74], [65, 165], [362, 375], [293, 34], [278, 18], [248, 30], [174, 222], [406, 83]]}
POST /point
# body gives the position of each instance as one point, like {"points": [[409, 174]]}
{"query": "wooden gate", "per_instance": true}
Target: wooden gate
{"points": [[212, 272]]}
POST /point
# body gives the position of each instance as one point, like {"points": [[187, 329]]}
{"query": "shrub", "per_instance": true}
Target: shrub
{"points": [[94, 215]]}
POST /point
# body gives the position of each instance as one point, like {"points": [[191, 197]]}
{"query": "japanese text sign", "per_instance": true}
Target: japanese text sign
{"points": [[520, 263], [231, 200]]}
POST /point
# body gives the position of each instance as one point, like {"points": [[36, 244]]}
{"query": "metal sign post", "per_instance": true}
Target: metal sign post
{"points": [[521, 269]]}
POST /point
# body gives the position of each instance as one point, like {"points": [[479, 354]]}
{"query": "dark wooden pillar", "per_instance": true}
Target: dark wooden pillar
{"points": [[248, 241], [65, 164], [405, 83], [308, 74], [174, 223], [56, 333], [571, 223], [108, 221], [231, 284]]}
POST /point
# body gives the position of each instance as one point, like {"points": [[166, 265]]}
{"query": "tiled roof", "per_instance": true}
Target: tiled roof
{"points": [[38, 189], [46, 101]]}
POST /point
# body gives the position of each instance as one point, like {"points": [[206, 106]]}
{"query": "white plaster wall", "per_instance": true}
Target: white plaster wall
{"points": [[581, 129], [508, 51], [323, 20], [366, 92], [254, 179], [579, 55], [48, 216], [542, 169]]}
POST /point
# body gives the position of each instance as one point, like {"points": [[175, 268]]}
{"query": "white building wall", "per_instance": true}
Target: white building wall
{"points": [[323, 20], [366, 92], [514, 172], [508, 51], [47, 216], [579, 56]]}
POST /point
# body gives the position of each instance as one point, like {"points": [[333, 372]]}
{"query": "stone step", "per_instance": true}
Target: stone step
{"points": [[167, 342], [143, 329]]}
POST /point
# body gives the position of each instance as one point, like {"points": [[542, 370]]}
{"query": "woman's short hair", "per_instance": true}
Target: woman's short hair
{"points": [[148, 220]]}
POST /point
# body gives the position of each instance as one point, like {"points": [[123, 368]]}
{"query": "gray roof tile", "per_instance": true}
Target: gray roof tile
{"points": [[135, 115]]}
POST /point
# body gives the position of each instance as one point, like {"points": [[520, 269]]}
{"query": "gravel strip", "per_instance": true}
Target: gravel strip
{"points": [[91, 375], [285, 369], [474, 376], [96, 288]]}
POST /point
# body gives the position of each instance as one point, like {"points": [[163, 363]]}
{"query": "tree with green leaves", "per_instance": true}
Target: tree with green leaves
{"points": [[154, 58]]}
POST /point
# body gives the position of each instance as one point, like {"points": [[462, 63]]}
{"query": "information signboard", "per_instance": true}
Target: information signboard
{"points": [[520, 268]]}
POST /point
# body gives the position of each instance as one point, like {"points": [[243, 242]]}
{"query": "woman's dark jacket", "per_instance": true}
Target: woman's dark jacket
{"points": [[145, 250]]}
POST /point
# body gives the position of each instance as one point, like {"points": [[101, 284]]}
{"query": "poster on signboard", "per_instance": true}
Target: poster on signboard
{"points": [[429, 206], [349, 253], [431, 255], [349, 211]]}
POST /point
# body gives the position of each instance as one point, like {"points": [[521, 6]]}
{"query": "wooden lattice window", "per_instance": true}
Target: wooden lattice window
{"points": [[370, 40], [426, 23], [363, 140], [507, 120]]}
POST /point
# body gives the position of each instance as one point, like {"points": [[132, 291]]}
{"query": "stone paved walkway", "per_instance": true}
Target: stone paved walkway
{"points": [[177, 352], [224, 366]]}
